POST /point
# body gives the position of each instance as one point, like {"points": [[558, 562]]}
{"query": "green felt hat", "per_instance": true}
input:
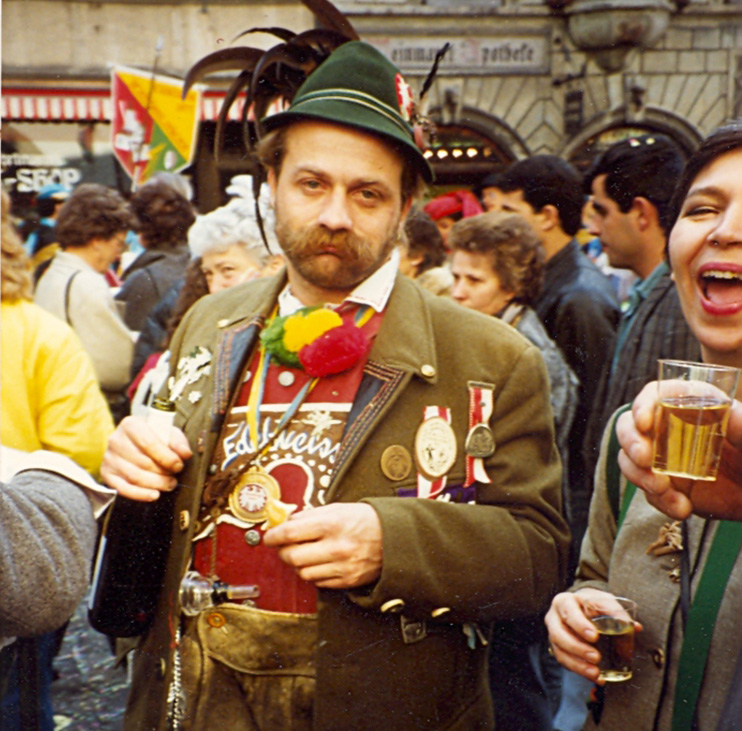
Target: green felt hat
{"points": [[358, 86]]}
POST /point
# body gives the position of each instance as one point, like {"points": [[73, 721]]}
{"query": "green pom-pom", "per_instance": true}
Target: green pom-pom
{"points": [[272, 340]]}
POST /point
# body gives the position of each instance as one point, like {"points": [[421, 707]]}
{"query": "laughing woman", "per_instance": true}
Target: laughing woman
{"points": [[685, 577]]}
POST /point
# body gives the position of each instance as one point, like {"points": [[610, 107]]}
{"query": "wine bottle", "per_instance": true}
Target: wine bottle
{"points": [[132, 553]]}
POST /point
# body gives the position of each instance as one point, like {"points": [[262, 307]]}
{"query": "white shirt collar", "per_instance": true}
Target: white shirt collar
{"points": [[373, 291]]}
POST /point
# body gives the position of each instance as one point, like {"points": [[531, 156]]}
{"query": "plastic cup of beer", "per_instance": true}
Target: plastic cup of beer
{"points": [[692, 416], [614, 619]]}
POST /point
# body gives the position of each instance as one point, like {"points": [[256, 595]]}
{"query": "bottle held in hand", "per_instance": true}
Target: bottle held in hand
{"points": [[132, 553]]}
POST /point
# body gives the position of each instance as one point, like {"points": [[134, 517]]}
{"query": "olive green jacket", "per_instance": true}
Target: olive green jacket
{"points": [[499, 559]]}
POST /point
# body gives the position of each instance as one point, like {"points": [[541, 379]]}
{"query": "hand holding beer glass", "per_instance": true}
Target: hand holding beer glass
{"points": [[694, 400], [591, 633]]}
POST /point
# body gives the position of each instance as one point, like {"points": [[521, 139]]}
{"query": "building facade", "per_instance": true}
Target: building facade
{"points": [[519, 78]]}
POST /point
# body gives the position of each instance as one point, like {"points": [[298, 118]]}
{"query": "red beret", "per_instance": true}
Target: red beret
{"points": [[457, 201]]}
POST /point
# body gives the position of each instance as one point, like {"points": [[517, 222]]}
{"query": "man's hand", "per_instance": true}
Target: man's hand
{"points": [[335, 546], [675, 496], [572, 635], [139, 464]]}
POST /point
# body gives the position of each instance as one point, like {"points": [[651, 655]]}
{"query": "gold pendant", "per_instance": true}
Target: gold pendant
{"points": [[249, 499]]}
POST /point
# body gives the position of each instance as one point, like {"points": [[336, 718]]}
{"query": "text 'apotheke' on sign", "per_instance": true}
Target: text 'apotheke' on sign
{"points": [[512, 54]]}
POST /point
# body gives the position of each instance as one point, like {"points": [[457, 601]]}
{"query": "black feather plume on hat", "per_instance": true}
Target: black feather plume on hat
{"points": [[275, 74]]}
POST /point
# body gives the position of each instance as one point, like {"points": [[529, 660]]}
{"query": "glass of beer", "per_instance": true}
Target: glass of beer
{"points": [[615, 625], [692, 416]]}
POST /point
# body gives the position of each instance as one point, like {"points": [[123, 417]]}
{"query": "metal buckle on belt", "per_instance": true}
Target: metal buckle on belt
{"points": [[412, 630]]}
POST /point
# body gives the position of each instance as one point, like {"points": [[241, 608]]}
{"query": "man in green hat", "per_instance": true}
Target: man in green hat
{"points": [[378, 462]]}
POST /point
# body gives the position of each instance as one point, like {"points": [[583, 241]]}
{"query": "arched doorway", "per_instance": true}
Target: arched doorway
{"points": [[612, 127], [469, 145]]}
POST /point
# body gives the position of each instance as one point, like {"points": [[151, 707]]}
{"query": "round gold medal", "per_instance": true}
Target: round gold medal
{"points": [[396, 462], [249, 499], [435, 447]]}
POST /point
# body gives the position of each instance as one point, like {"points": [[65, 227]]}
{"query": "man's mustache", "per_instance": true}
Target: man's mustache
{"points": [[348, 245]]}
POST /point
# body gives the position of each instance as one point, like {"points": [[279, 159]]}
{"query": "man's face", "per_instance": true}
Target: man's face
{"points": [[617, 231], [514, 202], [338, 206], [476, 284]]}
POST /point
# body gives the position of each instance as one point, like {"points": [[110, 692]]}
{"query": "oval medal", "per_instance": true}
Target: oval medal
{"points": [[435, 447], [249, 499]]}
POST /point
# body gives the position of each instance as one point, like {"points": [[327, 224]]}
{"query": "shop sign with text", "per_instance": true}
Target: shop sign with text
{"points": [[526, 53]]}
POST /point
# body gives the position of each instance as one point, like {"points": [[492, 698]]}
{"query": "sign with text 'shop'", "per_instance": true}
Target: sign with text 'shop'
{"points": [[153, 128]]}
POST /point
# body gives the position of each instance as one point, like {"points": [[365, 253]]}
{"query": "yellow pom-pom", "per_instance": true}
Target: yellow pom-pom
{"points": [[300, 330]]}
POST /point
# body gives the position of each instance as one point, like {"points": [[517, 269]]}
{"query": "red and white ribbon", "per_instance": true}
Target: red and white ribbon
{"points": [[480, 411]]}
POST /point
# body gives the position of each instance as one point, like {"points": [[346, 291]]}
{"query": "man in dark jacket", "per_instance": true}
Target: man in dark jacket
{"points": [[308, 394], [577, 304], [631, 185]]}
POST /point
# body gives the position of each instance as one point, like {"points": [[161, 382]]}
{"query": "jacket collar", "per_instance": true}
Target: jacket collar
{"points": [[405, 340]]}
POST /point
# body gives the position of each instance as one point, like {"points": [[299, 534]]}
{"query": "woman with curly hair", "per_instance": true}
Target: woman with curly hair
{"points": [[164, 216], [91, 229]]}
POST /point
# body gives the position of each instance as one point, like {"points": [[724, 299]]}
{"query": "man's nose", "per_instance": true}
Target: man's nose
{"points": [[335, 214]]}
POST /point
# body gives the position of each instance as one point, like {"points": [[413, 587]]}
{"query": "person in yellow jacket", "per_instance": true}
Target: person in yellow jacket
{"points": [[49, 394]]}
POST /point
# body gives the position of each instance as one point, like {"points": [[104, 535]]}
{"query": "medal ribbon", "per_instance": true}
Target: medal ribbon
{"points": [[432, 488], [255, 400], [480, 411]]}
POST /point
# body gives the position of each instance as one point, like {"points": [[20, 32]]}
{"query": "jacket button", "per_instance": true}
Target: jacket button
{"points": [[184, 519], [658, 657], [162, 668], [394, 606], [212, 469], [428, 370], [252, 537], [216, 620]]}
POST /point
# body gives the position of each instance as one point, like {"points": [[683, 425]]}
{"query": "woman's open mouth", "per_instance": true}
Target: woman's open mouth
{"points": [[721, 289]]}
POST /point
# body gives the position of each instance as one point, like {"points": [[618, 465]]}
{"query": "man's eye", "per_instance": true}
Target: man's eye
{"points": [[369, 196]]}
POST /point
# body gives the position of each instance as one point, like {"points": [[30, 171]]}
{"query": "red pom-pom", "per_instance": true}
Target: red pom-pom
{"points": [[334, 352]]}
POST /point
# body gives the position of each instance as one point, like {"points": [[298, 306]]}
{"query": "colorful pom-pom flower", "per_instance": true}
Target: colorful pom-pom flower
{"points": [[315, 339]]}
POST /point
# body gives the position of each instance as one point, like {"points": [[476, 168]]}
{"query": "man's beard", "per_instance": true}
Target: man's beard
{"points": [[355, 257]]}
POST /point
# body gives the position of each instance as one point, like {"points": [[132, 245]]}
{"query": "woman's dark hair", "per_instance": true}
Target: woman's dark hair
{"points": [[725, 139], [164, 215], [424, 238], [515, 250], [92, 212], [194, 287]]}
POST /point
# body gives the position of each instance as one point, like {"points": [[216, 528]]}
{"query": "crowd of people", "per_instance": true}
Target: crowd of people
{"points": [[399, 418]]}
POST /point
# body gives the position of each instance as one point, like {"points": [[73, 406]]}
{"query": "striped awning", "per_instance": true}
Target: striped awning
{"points": [[84, 105]]}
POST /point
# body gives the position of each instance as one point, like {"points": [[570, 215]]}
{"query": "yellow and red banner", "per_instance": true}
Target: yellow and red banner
{"points": [[153, 128]]}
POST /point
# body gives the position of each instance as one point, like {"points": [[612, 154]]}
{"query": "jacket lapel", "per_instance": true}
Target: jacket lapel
{"points": [[405, 343], [237, 341]]}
